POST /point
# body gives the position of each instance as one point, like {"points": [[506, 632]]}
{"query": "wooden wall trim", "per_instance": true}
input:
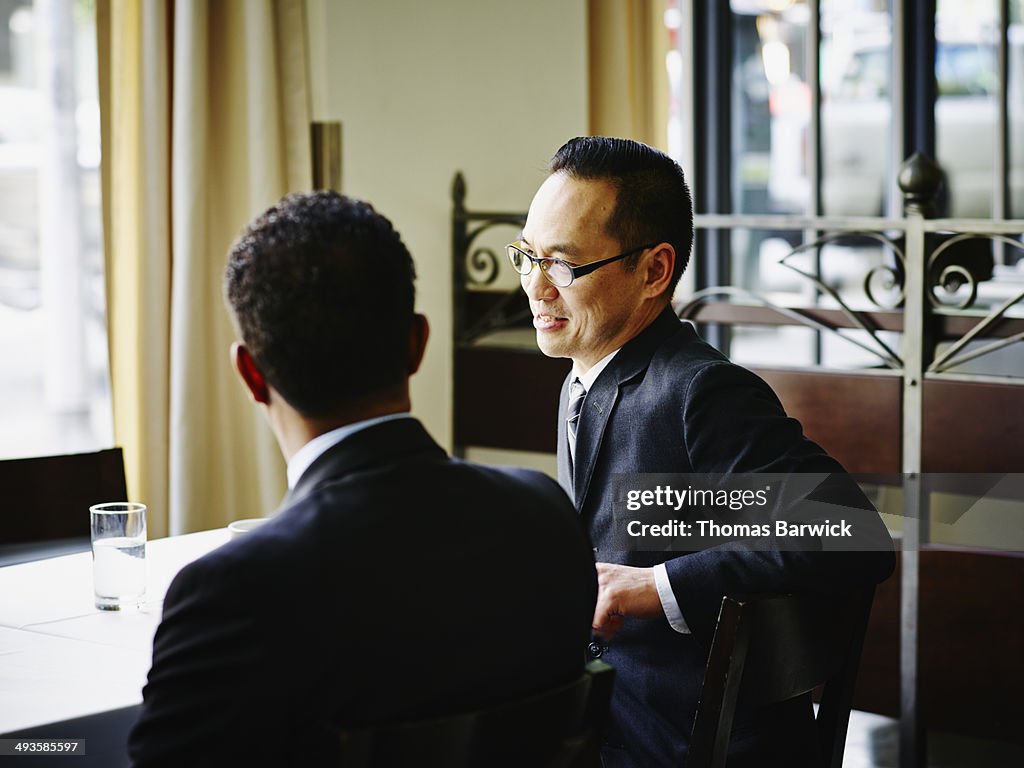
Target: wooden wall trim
{"points": [[854, 416]]}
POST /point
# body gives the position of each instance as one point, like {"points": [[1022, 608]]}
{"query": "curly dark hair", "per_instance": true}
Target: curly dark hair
{"points": [[652, 201], [321, 289]]}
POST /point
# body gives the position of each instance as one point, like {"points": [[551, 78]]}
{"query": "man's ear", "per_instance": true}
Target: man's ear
{"points": [[658, 267], [419, 332], [247, 369]]}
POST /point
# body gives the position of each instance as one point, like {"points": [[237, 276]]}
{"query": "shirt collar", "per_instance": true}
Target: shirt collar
{"points": [[319, 445], [587, 379]]}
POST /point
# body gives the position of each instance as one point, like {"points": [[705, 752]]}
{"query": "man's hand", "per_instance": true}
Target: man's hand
{"points": [[624, 591]]}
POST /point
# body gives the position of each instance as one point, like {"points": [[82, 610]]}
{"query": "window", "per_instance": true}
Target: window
{"points": [[54, 378], [825, 101]]}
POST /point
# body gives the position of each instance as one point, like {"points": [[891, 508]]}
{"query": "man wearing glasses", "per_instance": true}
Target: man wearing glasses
{"points": [[607, 237]]}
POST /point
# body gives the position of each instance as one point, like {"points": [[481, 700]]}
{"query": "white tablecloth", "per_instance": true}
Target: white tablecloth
{"points": [[60, 657]]}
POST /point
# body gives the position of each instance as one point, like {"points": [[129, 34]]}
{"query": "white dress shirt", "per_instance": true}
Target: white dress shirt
{"points": [[315, 448]]}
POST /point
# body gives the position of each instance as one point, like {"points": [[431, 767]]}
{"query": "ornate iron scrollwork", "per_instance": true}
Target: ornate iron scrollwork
{"points": [[888, 279], [881, 350], [958, 261], [950, 357], [482, 266], [891, 276]]}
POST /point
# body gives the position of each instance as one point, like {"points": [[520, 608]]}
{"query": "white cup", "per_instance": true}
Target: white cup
{"points": [[240, 527]]}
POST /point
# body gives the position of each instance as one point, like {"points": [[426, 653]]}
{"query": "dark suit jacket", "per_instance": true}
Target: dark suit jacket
{"points": [[670, 403], [395, 584]]}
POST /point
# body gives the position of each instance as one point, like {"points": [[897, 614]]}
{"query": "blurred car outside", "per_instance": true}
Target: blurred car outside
{"points": [[857, 125]]}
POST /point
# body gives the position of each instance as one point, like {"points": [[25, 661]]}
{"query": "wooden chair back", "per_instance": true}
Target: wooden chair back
{"points": [[771, 649], [48, 497], [555, 729]]}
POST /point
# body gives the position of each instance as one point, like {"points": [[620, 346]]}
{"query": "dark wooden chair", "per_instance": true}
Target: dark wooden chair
{"points": [[771, 649], [555, 729], [45, 500]]}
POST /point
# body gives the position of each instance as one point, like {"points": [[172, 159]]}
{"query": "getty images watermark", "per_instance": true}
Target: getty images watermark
{"points": [[720, 502], [691, 512]]}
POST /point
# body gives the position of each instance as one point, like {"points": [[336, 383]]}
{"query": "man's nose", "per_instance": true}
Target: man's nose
{"points": [[537, 286]]}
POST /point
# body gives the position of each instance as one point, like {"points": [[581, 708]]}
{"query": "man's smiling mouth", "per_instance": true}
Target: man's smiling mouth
{"points": [[546, 322]]}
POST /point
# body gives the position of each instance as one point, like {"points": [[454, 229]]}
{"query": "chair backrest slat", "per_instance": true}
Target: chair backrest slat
{"points": [[48, 497], [771, 649], [554, 728]]}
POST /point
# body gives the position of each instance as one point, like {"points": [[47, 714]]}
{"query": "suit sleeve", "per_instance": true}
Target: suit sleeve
{"points": [[734, 423], [208, 675]]}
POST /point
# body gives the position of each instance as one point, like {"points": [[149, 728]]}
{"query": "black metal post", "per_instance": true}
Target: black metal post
{"points": [[459, 238], [919, 92], [712, 35]]}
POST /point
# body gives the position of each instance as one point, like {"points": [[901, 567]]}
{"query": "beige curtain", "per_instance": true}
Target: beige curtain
{"points": [[628, 84], [205, 123]]}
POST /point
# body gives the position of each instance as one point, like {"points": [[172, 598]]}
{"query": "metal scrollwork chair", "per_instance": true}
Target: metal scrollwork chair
{"points": [[558, 728], [772, 649]]}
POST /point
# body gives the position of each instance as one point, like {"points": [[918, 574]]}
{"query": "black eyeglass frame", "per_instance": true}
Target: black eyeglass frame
{"points": [[574, 272]]}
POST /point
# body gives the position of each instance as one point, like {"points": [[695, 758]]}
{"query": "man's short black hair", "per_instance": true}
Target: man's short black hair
{"points": [[321, 287], [652, 201]]}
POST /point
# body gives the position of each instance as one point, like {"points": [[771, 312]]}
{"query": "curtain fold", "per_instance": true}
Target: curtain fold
{"points": [[628, 84], [205, 115]]}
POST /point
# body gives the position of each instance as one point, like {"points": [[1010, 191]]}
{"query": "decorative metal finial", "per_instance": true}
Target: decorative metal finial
{"points": [[920, 179], [459, 190]]}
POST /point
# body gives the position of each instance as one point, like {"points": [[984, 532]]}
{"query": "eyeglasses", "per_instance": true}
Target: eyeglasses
{"points": [[558, 272]]}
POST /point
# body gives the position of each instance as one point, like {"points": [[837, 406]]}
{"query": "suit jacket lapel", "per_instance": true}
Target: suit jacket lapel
{"points": [[631, 361], [593, 419]]}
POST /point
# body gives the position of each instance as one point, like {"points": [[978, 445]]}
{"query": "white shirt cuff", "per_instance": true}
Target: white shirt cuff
{"points": [[668, 600]]}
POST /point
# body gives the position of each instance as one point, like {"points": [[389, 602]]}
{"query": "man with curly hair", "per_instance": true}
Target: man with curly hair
{"points": [[389, 586]]}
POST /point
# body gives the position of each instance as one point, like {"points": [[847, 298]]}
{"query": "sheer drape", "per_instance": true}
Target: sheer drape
{"points": [[628, 85], [205, 123]]}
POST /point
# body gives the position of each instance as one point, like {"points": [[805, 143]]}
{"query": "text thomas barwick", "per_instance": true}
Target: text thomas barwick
{"points": [[679, 528]]}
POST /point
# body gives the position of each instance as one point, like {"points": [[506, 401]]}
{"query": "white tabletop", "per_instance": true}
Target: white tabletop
{"points": [[62, 658]]}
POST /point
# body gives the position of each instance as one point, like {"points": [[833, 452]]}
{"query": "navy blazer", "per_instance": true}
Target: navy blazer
{"points": [[395, 584], [668, 402]]}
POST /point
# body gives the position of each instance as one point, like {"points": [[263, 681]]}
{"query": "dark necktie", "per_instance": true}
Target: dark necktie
{"points": [[577, 394]]}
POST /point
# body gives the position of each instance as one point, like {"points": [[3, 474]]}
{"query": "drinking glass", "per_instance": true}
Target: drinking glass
{"points": [[118, 554]]}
